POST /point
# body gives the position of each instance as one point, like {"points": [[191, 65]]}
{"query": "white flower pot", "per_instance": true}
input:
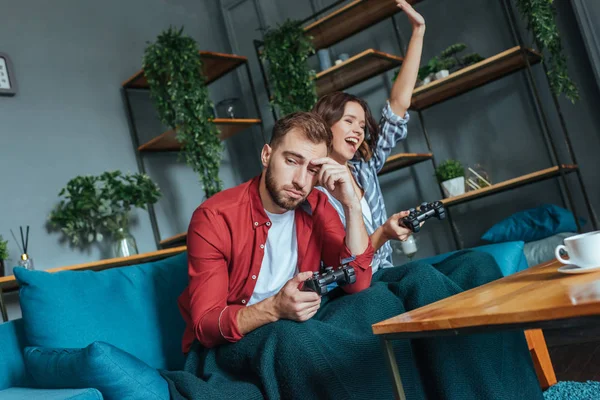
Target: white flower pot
{"points": [[454, 187], [442, 74], [425, 81]]}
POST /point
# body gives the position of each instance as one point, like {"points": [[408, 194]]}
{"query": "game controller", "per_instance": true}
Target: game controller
{"points": [[321, 282], [426, 211]]}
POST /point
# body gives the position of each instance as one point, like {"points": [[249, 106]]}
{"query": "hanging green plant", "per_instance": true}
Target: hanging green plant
{"points": [[173, 68], [541, 21], [286, 50]]}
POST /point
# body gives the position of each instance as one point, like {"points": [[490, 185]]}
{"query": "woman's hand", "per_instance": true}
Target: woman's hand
{"points": [[416, 20], [393, 230], [402, 90]]}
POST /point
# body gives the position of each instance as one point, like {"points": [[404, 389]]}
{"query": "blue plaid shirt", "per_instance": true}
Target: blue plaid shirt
{"points": [[392, 130]]}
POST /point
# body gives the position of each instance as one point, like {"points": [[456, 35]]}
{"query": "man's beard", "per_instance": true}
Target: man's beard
{"points": [[278, 196]]}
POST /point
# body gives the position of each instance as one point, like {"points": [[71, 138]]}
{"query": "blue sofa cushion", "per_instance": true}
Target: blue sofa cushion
{"points": [[133, 308], [12, 365], [509, 256], [115, 373], [533, 224], [18, 393]]}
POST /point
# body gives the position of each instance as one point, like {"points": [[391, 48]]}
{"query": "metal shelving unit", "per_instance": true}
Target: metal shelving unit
{"points": [[354, 17], [215, 66]]}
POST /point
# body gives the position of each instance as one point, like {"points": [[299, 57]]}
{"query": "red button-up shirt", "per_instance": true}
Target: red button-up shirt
{"points": [[226, 240]]}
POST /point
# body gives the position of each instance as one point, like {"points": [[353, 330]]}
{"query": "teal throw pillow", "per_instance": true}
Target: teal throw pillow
{"points": [[133, 308], [115, 373], [533, 224]]}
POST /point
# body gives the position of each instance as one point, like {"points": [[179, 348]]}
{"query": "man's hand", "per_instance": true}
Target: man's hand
{"points": [[416, 20], [393, 230], [336, 178], [292, 303]]}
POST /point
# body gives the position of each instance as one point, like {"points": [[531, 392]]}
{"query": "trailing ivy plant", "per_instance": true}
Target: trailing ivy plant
{"points": [[286, 50], [541, 21], [173, 68], [91, 206]]}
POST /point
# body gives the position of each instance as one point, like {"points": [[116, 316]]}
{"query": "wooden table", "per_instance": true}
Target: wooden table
{"points": [[9, 283], [538, 297]]}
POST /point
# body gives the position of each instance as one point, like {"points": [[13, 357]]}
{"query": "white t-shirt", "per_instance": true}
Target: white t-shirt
{"points": [[366, 210], [280, 263]]}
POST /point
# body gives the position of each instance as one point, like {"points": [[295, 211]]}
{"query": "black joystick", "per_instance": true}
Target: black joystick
{"points": [[319, 282], [427, 210]]}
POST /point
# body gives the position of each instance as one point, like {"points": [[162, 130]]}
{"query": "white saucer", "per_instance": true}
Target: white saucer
{"points": [[574, 269]]}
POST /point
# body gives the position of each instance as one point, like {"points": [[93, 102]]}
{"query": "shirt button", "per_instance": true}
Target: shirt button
{"points": [[256, 224], [253, 276], [268, 224], [243, 301], [262, 246]]}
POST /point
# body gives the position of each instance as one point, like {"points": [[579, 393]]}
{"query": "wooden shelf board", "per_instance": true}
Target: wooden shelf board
{"points": [[8, 283], [173, 240], [359, 68], [350, 19], [403, 160], [472, 77], [215, 65], [509, 184], [167, 141]]}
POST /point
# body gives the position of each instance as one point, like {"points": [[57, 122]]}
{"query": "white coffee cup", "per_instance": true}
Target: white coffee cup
{"points": [[583, 250]]}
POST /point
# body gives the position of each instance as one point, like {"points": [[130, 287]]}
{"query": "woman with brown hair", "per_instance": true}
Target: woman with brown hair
{"points": [[363, 146]]}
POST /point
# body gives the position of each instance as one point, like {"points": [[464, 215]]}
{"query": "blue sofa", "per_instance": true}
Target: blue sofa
{"points": [[106, 334]]}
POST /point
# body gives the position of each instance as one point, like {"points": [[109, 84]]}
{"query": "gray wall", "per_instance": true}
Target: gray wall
{"points": [[587, 13], [495, 125], [68, 118]]}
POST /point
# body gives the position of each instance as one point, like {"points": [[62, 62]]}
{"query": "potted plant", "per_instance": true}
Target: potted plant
{"points": [[286, 50], [93, 206], [173, 68], [3, 254], [470, 59], [444, 65], [451, 175], [454, 62]]}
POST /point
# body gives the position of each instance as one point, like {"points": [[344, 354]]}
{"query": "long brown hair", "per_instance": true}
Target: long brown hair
{"points": [[331, 108]]}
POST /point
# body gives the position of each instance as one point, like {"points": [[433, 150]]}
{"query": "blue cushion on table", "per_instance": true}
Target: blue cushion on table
{"points": [[509, 256], [533, 224], [133, 308], [19, 393], [115, 373]]}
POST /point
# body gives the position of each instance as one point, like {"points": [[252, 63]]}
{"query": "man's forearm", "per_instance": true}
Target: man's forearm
{"points": [[357, 238], [254, 316], [378, 238]]}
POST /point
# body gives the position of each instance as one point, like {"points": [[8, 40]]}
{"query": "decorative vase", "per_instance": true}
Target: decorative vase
{"points": [[477, 177], [324, 59], [26, 262], [409, 247], [124, 245], [229, 108], [454, 187]]}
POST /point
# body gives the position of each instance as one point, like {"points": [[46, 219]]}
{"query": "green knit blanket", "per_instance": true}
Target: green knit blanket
{"points": [[335, 355]]}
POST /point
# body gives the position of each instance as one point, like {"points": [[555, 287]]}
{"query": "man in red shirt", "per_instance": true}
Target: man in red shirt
{"points": [[251, 247]]}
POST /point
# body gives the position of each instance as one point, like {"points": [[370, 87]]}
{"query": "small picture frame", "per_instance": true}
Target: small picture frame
{"points": [[8, 83]]}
